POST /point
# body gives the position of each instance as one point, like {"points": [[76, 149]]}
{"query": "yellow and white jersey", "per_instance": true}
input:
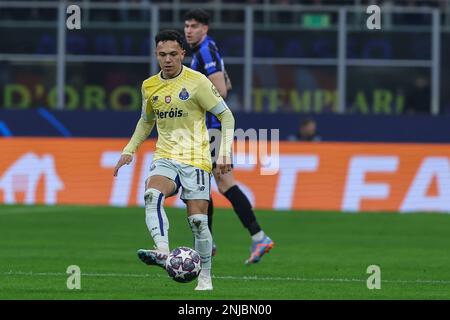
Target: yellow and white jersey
{"points": [[179, 105]]}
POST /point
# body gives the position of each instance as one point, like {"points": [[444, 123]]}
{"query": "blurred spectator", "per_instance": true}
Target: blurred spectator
{"points": [[418, 99], [306, 132]]}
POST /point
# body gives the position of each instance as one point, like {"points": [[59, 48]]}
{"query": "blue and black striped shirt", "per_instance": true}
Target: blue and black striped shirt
{"points": [[207, 60]]}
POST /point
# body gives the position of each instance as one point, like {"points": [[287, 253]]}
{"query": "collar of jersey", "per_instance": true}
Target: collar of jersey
{"points": [[174, 78], [198, 46]]}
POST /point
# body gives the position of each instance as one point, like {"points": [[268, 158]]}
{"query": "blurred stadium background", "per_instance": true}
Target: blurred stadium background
{"points": [[289, 60], [70, 99]]}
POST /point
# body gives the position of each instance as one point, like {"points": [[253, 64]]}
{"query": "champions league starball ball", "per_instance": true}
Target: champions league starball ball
{"points": [[183, 264]]}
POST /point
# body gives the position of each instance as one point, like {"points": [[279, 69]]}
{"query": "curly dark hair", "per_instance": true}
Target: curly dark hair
{"points": [[199, 15], [170, 34]]}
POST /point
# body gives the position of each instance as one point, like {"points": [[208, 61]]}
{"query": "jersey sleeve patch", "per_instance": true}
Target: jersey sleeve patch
{"points": [[215, 91]]}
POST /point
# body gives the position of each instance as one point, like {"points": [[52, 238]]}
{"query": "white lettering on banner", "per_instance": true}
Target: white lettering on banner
{"points": [[417, 199], [121, 188], [145, 171], [357, 189], [24, 175], [290, 166]]}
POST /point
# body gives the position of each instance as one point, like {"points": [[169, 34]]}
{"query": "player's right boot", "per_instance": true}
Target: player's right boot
{"points": [[153, 257], [259, 248], [204, 283]]}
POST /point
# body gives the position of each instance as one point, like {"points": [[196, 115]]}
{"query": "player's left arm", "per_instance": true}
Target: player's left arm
{"points": [[214, 70], [226, 118], [210, 100]]}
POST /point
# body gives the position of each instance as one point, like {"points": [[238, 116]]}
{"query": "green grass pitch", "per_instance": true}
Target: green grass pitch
{"points": [[317, 255]]}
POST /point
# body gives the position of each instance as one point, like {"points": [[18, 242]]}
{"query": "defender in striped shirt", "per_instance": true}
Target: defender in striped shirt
{"points": [[207, 60]]}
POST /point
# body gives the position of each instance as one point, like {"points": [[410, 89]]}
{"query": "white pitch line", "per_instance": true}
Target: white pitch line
{"points": [[240, 278], [31, 210]]}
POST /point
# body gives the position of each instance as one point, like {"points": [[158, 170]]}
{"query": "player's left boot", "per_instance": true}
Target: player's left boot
{"points": [[204, 283], [214, 250], [153, 257], [259, 248]]}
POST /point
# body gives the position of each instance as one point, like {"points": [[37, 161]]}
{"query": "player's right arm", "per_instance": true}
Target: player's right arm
{"points": [[143, 129], [210, 100], [213, 69]]}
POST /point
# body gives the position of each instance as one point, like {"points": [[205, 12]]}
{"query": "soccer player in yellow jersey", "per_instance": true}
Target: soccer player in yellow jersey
{"points": [[176, 99]]}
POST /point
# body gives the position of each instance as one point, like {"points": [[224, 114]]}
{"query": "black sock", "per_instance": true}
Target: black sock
{"points": [[243, 209], [210, 214]]}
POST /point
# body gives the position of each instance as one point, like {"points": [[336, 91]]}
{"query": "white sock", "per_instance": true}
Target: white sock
{"points": [[203, 240], [258, 236], [205, 273], [156, 219]]}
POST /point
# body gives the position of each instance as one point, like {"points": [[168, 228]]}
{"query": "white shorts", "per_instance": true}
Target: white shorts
{"points": [[195, 182]]}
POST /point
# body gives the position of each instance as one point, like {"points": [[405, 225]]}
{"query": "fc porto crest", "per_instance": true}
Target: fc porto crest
{"points": [[184, 95], [167, 99]]}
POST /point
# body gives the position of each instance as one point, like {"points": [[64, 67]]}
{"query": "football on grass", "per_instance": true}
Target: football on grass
{"points": [[183, 264]]}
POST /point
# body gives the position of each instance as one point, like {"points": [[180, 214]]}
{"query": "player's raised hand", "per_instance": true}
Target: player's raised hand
{"points": [[223, 165], [124, 159]]}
